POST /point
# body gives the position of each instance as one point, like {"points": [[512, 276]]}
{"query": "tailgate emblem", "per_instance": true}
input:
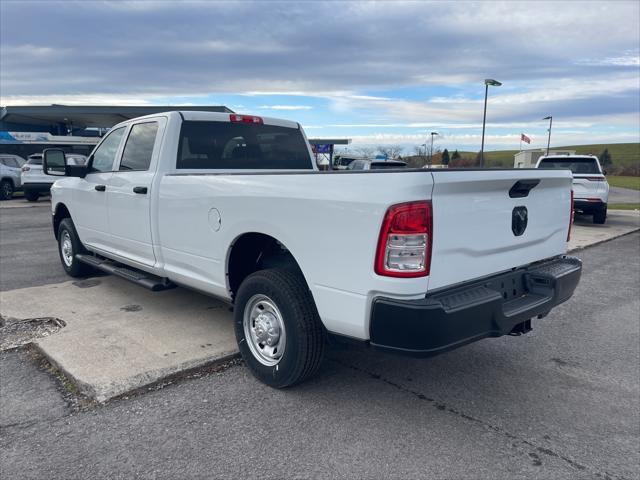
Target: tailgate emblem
{"points": [[519, 219]]}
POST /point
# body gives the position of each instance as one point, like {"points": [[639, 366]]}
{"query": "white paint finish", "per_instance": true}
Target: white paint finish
{"points": [[472, 222], [35, 174], [90, 215], [322, 219], [129, 212]]}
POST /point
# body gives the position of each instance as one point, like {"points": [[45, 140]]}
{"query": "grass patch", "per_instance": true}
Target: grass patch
{"points": [[624, 181], [623, 206], [623, 154]]}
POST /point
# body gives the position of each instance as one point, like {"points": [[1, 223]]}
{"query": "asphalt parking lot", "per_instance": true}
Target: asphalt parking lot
{"points": [[560, 402]]}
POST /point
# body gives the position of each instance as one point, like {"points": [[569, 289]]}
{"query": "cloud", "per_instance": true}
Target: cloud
{"points": [[166, 47], [388, 67]]}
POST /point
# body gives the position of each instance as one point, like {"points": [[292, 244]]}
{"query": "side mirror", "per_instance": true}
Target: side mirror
{"points": [[54, 162], [604, 172]]}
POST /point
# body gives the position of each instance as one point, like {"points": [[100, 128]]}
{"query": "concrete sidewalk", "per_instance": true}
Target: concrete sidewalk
{"points": [[585, 233], [120, 337]]}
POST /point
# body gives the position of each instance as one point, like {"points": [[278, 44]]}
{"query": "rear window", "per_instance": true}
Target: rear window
{"points": [[226, 145], [35, 160], [577, 165]]}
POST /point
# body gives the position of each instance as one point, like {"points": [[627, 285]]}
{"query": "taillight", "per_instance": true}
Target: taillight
{"points": [[245, 119], [594, 179], [404, 245], [570, 218]]}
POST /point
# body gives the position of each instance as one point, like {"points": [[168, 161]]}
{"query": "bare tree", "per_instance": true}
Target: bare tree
{"points": [[366, 152], [391, 151], [421, 153]]}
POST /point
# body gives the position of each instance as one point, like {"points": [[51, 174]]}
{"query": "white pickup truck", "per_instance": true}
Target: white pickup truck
{"points": [[408, 261]]}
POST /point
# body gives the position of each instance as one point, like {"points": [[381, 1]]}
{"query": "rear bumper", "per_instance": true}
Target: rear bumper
{"points": [[37, 187], [454, 317], [589, 206]]}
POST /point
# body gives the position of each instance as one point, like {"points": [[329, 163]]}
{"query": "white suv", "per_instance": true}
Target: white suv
{"points": [[9, 174], [34, 180], [590, 187]]}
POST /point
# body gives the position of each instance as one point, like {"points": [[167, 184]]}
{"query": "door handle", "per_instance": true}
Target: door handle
{"points": [[100, 188], [141, 190]]}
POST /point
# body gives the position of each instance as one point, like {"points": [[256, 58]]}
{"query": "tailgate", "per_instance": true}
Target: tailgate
{"points": [[474, 217], [587, 186]]}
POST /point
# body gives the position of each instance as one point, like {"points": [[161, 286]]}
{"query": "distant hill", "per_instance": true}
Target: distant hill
{"points": [[622, 154]]}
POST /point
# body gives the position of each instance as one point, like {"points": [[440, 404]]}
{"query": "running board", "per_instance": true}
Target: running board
{"points": [[143, 279]]}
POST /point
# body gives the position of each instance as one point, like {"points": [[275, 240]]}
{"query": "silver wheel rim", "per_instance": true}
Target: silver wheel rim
{"points": [[264, 330], [66, 248]]}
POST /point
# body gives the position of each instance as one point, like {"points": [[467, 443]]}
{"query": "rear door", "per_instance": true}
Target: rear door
{"points": [[489, 221], [129, 192]]}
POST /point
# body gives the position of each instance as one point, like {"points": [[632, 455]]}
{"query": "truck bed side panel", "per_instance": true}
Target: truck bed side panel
{"points": [[329, 222]]}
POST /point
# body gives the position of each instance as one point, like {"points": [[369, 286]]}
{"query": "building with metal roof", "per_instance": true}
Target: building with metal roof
{"points": [[77, 119]]}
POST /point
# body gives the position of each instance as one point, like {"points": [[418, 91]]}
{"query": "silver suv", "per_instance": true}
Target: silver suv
{"points": [[10, 166]]}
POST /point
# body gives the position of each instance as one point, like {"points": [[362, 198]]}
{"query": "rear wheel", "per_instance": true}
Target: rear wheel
{"points": [[6, 190], [31, 196], [600, 216], [279, 332], [69, 246]]}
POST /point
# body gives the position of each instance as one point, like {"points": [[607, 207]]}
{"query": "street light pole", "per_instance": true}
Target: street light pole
{"points": [[493, 83], [550, 118], [431, 152]]}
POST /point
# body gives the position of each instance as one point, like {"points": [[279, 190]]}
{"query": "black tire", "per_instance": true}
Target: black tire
{"points": [[600, 216], [31, 196], [6, 190], [74, 268], [305, 336]]}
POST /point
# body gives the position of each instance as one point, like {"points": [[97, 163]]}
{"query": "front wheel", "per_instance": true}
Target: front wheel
{"points": [[278, 330], [6, 190], [69, 246]]}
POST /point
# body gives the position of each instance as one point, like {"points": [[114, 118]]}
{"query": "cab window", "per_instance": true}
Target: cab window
{"points": [[139, 147], [105, 154]]}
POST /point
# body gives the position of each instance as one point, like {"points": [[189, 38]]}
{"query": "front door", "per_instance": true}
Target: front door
{"points": [[130, 192], [90, 217]]}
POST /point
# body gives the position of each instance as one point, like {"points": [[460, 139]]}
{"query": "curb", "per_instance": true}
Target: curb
{"points": [[101, 397]]}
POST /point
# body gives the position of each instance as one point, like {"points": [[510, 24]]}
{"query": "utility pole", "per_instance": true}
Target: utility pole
{"points": [[550, 118], [431, 152], [487, 82]]}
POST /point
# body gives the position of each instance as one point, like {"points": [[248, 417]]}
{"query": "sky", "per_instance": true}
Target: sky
{"points": [[380, 73]]}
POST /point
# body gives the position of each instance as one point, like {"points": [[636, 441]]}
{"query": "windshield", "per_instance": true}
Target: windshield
{"points": [[577, 165]]}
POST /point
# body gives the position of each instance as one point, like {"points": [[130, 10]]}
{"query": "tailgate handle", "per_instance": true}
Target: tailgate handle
{"points": [[522, 188]]}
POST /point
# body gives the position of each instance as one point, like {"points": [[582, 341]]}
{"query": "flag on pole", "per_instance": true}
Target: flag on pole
{"points": [[524, 138]]}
